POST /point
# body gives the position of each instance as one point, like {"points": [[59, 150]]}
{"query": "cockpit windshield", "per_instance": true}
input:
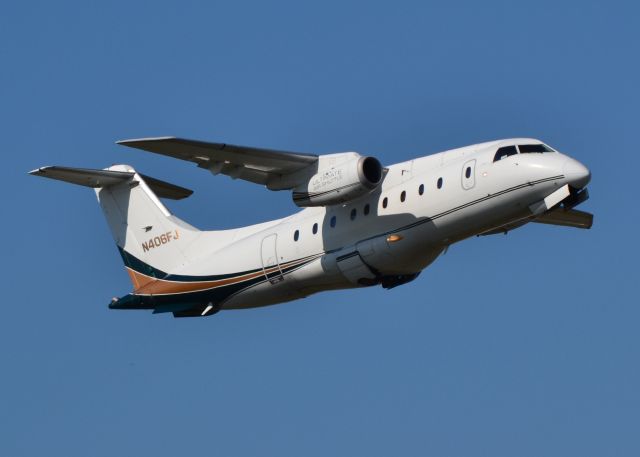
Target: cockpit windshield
{"points": [[506, 151], [525, 148]]}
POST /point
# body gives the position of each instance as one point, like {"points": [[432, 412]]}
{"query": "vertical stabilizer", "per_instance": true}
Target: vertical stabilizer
{"points": [[151, 240]]}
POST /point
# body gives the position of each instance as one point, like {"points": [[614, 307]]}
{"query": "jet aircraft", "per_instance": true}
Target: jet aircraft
{"points": [[361, 225]]}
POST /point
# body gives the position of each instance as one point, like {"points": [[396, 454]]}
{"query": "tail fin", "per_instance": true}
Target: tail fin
{"points": [[151, 240]]}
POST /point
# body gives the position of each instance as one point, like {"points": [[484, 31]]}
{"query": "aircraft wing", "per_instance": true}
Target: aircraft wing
{"points": [[566, 218], [242, 162], [556, 216]]}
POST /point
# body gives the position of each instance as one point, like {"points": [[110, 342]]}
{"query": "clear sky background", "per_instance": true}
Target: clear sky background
{"points": [[526, 344]]}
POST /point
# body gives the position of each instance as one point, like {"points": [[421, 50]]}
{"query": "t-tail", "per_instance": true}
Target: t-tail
{"points": [[151, 241]]}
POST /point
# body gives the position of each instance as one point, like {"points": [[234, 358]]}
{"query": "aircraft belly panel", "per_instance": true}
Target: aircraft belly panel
{"points": [[354, 269]]}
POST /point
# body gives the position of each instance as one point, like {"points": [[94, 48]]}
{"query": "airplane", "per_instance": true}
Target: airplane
{"points": [[361, 225]]}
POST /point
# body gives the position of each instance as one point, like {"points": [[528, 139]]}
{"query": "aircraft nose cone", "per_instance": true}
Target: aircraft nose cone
{"points": [[577, 174]]}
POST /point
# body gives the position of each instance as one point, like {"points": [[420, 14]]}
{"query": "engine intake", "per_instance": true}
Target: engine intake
{"points": [[370, 171], [340, 183]]}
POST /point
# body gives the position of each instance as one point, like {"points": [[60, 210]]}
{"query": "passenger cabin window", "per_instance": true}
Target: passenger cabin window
{"points": [[467, 172], [403, 196], [529, 148], [439, 183], [421, 189], [353, 214], [505, 152], [366, 209], [385, 200], [296, 235], [315, 228], [333, 221]]}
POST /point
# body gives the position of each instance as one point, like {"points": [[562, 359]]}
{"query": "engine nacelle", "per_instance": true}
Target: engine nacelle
{"points": [[339, 179]]}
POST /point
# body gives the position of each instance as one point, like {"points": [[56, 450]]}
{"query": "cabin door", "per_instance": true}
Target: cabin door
{"points": [[270, 263]]}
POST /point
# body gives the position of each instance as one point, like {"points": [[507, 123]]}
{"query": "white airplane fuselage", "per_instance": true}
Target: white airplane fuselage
{"points": [[422, 206]]}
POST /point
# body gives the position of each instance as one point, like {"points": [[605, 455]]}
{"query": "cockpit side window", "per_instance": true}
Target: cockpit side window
{"points": [[528, 148], [505, 152]]}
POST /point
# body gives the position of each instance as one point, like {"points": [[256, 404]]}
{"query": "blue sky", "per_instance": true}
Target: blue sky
{"points": [[525, 344]]}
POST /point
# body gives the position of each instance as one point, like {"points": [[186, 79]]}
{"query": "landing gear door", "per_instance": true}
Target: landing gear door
{"points": [[469, 175], [355, 270], [270, 263]]}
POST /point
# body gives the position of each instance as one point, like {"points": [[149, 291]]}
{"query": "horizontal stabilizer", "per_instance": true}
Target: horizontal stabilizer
{"points": [[104, 178], [84, 176], [164, 189], [566, 218]]}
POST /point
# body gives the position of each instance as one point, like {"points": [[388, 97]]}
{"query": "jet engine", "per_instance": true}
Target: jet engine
{"points": [[339, 179]]}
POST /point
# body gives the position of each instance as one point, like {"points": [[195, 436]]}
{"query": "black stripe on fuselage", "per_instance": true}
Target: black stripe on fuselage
{"points": [[144, 268], [215, 295]]}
